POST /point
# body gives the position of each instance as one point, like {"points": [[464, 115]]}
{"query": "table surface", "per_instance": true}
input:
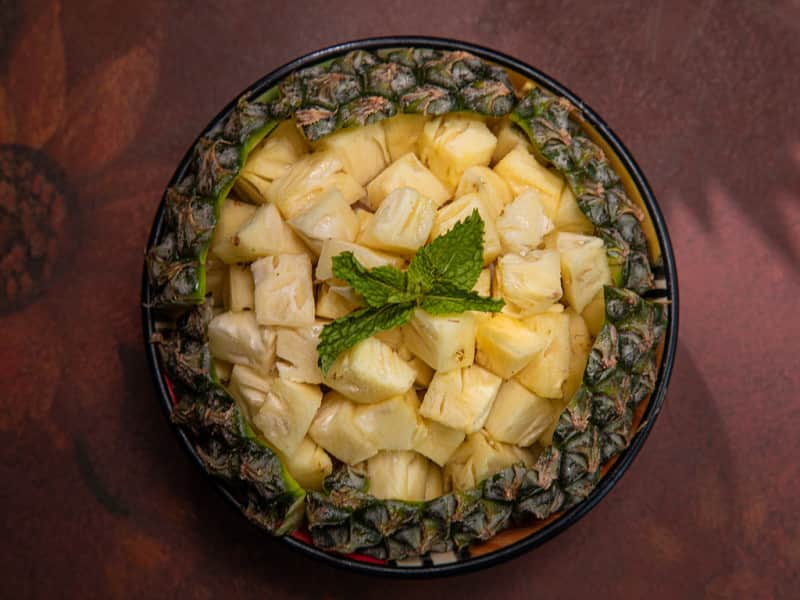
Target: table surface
{"points": [[101, 100]]}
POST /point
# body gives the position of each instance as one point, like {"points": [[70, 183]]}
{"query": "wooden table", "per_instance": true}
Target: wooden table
{"points": [[101, 99]]}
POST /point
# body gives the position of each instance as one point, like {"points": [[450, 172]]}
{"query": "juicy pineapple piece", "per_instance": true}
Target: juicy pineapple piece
{"points": [[390, 424], [394, 339], [423, 373], [232, 216], [402, 222], [444, 342], [595, 313], [400, 475], [284, 292], [580, 342], [366, 256], [479, 457], [270, 160], [370, 372], [489, 186], [294, 192], [506, 345], [461, 208], [548, 370], [532, 283], [296, 350], [584, 267], [509, 136], [436, 441], [332, 305], [523, 224], [364, 219], [434, 482], [518, 416], [334, 429], [240, 289], [484, 284], [249, 388], [461, 399], [522, 171], [451, 144], [570, 217], [402, 133], [328, 217], [235, 337], [309, 464], [362, 150], [287, 412], [263, 234], [406, 171]]}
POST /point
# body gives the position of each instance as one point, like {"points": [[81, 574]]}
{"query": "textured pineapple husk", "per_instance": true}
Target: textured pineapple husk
{"points": [[353, 90]]}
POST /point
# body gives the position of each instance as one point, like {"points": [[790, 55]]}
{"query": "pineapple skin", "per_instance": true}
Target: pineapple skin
{"points": [[549, 368]]}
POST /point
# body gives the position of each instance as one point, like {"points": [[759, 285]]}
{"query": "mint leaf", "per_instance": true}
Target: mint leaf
{"points": [[347, 331], [445, 299], [455, 258], [378, 286]]}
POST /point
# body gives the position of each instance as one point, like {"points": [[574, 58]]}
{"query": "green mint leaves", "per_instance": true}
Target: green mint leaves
{"points": [[439, 280]]}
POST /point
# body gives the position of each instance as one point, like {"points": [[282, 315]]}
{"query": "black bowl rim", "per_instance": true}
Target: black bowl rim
{"points": [[656, 402]]}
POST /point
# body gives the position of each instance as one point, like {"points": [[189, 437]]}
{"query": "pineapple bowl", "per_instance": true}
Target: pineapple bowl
{"points": [[411, 304]]}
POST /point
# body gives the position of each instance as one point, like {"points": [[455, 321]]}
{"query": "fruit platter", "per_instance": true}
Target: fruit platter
{"points": [[411, 305]]}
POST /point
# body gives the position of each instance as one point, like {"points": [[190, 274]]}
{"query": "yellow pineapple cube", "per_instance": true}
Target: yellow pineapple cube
{"points": [[366, 256], [398, 475], [235, 337], [264, 234], [309, 465], [480, 457], [484, 284], [595, 313], [434, 482], [402, 132], [509, 136], [461, 399], [458, 210], [334, 429], [362, 150], [518, 416], [249, 388], [232, 216], [522, 171], [328, 217], [284, 291], [436, 441], [532, 283], [570, 217], [402, 222], [332, 305], [390, 424], [580, 343], [584, 267], [445, 342], [240, 289], [286, 414], [548, 370], [491, 188], [406, 171], [296, 350], [506, 345], [523, 224]]}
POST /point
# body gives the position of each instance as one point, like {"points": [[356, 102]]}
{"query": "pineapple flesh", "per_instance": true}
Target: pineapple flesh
{"points": [[505, 345], [521, 171], [309, 464], [329, 217], [334, 429], [390, 424], [523, 224], [402, 475], [479, 457], [332, 305], [284, 292], [239, 289], [362, 150], [518, 415], [436, 441], [296, 352], [461, 399], [287, 412], [402, 133], [232, 216], [488, 185], [406, 171], [584, 267], [444, 342], [366, 256], [461, 208], [236, 337], [548, 370], [402, 223], [531, 283]]}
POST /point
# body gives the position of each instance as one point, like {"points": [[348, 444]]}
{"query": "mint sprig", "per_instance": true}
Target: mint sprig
{"points": [[439, 280]]}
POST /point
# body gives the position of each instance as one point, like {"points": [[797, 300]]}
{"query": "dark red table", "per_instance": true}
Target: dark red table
{"points": [[101, 99]]}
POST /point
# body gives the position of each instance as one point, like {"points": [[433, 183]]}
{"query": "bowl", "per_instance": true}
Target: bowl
{"points": [[515, 541]]}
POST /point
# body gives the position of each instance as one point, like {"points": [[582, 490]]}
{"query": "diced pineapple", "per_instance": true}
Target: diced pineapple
{"points": [[249, 388], [422, 371], [580, 341], [328, 217], [570, 217], [334, 429], [451, 144], [309, 464], [284, 292], [484, 284], [402, 222], [269, 161], [287, 412], [296, 349], [458, 210], [444, 342], [233, 215], [366, 256], [332, 305], [509, 136], [491, 188], [264, 234], [370, 372], [406, 171], [461, 399], [221, 370], [595, 313], [434, 482], [506, 345], [362, 150], [235, 337], [364, 219], [402, 132], [313, 174], [390, 424], [216, 280], [522, 171], [548, 370], [523, 224], [398, 475], [518, 416], [480, 457], [584, 267], [436, 441], [532, 282], [239, 291]]}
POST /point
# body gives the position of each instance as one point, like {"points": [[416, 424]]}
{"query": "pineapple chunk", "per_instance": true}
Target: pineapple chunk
{"points": [[444, 342], [584, 267], [390, 424], [398, 475], [548, 370], [595, 313], [309, 464], [522, 171], [422, 372], [370, 372], [334, 429], [328, 217], [570, 217], [434, 482], [284, 290], [491, 188], [249, 388], [484, 284], [233, 215], [509, 136], [295, 191], [580, 341], [505, 345], [461, 399], [362, 150], [296, 349], [239, 293], [366, 256], [332, 305], [480, 457], [269, 161], [263, 234], [436, 441], [532, 283], [402, 222], [221, 370], [287, 412], [235, 337], [458, 210], [402, 133], [406, 171], [451, 144], [394, 338], [523, 224], [364, 219], [518, 416]]}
